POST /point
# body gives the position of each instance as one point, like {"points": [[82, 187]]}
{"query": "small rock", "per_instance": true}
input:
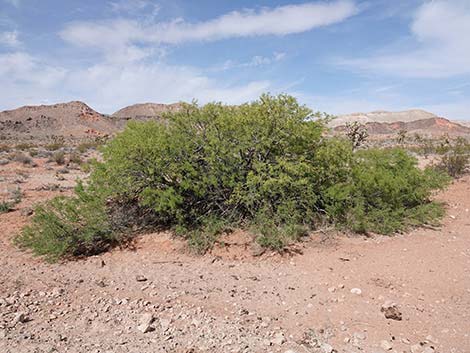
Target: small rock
{"points": [[331, 289], [20, 318], [257, 249], [278, 339], [391, 311], [386, 345], [415, 348], [165, 324], [428, 350], [326, 348], [357, 291], [140, 278], [431, 339], [360, 335], [145, 323]]}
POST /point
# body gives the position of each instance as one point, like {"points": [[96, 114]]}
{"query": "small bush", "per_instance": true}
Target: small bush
{"points": [[69, 226], [85, 146], [23, 158], [7, 206], [55, 146], [356, 133], [455, 158], [59, 157], [385, 193], [75, 158]]}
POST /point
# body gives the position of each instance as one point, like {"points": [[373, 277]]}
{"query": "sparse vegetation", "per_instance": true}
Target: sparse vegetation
{"points": [[264, 167], [9, 205], [75, 158], [59, 157], [23, 158], [356, 133], [455, 157]]}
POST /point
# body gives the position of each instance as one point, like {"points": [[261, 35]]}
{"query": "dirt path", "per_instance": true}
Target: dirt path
{"points": [[300, 303]]}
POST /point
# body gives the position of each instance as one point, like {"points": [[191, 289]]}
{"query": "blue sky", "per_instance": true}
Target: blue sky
{"points": [[338, 56]]}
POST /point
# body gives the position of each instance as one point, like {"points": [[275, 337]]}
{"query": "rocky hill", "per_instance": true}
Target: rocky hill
{"points": [[145, 111], [382, 123], [383, 117], [69, 121]]}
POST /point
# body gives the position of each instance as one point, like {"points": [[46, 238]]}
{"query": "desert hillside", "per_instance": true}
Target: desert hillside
{"points": [[145, 110], [383, 117], [71, 121], [382, 123]]}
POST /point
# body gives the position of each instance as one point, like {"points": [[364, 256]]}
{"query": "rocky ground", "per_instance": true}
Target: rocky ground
{"points": [[408, 293]]}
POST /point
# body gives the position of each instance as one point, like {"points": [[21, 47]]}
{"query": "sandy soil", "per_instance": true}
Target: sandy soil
{"points": [[328, 297]]}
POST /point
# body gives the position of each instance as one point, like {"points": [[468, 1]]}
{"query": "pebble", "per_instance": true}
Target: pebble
{"points": [[428, 350], [391, 311], [145, 323], [140, 278], [386, 345], [326, 348], [20, 318], [357, 291]]}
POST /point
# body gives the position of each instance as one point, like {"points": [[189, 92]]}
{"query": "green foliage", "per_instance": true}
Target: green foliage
{"points": [[66, 226], [9, 205], [264, 166], [59, 157], [455, 157], [75, 158], [385, 193]]}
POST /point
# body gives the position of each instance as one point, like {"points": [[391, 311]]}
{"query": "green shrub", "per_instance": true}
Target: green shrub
{"points": [[75, 158], [265, 166], [66, 226], [59, 157], [385, 193], [455, 157], [9, 205]]}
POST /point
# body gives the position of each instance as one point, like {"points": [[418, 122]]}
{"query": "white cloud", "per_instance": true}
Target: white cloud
{"points": [[278, 21], [108, 86], [255, 61], [9, 38], [441, 30]]}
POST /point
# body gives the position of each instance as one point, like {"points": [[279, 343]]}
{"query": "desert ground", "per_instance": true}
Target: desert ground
{"points": [[332, 293]]}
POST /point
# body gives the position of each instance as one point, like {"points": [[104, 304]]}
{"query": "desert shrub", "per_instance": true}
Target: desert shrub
{"points": [[85, 146], [66, 226], [455, 157], [75, 158], [24, 146], [266, 166], [356, 133], [59, 157], [56, 145], [23, 158], [385, 193], [9, 205]]}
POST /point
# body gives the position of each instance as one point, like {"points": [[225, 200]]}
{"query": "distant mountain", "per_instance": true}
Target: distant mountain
{"points": [[413, 121], [383, 117], [73, 120], [432, 127], [145, 111]]}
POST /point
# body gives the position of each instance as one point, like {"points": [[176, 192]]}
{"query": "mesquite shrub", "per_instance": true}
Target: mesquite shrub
{"points": [[266, 166]]}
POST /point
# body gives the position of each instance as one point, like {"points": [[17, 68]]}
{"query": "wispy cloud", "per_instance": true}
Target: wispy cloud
{"points": [[282, 20], [440, 29], [10, 39], [255, 61]]}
